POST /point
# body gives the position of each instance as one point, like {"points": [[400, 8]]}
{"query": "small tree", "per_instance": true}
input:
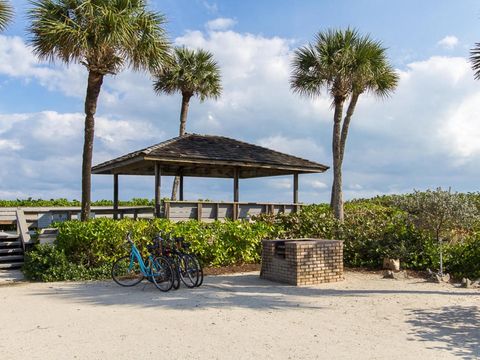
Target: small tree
{"points": [[439, 212]]}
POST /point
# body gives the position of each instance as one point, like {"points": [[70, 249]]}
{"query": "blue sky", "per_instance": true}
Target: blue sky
{"points": [[424, 136]]}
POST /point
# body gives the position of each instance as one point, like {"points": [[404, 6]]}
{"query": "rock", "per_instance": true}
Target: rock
{"points": [[399, 275], [467, 283], [388, 274], [391, 264], [438, 278]]}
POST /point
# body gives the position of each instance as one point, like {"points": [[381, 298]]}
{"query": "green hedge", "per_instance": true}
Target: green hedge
{"points": [[97, 243], [371, 231]]}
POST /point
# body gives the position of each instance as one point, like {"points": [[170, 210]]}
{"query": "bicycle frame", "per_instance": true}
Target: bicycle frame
{"points": [[135, 253]]}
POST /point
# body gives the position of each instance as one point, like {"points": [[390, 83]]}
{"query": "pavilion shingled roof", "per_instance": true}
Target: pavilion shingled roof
{"points": [[211, 150]]}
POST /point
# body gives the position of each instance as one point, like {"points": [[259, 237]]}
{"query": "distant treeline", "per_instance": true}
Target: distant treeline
{"points": [[64, 202]]}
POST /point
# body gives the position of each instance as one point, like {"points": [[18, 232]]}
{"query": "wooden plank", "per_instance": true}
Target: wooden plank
{"points": [[208, 211], [7, 222], [22, 229], [167, 210], [199, 211]]}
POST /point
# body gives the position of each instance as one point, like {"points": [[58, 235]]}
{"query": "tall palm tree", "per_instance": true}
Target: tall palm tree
{"points": [[193, 73], [346, 65], [105, 36], [6, 14]]}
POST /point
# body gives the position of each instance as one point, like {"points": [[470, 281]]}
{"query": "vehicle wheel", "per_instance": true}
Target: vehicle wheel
{"points": [[162, 273], [176, 276], [126, 271], [188, 269], [200, 270]]}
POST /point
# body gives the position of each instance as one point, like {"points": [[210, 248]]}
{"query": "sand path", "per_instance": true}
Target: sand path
{"points": [[241, 317]]}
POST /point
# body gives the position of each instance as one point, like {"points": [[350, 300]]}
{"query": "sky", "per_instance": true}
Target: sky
{"points": [[426, 135]]}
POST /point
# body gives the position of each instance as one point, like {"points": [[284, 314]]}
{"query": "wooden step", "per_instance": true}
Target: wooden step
{"points": [[10, 258], [7, 236], [11, 251], [14, 265], [10, 244]]}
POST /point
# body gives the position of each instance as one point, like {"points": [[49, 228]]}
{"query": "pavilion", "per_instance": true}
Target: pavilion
{"points": [[194, 155]]}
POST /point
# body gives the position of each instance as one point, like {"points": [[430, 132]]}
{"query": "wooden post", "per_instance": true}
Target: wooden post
{"points": [[158, 183], [235, 194], [181, 187], [199, 211], [115, 196], [235, 185], [295, 188]]}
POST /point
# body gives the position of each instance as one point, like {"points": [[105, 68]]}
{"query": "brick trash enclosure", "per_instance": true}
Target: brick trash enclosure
{"points": [[302, 261]]}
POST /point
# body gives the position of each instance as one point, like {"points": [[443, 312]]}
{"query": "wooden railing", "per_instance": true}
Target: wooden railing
{"points": [[210, 211], [42, 217]]}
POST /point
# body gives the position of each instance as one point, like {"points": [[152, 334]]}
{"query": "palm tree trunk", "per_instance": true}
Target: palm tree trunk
{"points": [[95, 81], [183, 125], [337, 197], [346, 123]]}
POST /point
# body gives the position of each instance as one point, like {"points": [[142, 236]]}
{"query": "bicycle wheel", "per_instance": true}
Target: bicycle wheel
{"points": [[176, 275], [200, 270], [188, 270], [126, 271], [162, 273]]}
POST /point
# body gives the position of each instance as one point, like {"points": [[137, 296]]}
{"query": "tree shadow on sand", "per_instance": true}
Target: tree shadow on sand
{"points": [[245, 291], [454, 328]]}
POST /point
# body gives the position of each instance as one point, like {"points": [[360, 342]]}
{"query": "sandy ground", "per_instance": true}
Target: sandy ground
{"points": [[241, 317]]}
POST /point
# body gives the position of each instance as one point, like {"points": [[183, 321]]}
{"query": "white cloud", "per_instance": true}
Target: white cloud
{"points": [[301, 147], [18, 61], [281, 184], [315, 184], [220, 24], [449, 42], [425, 135], [6, 145]]}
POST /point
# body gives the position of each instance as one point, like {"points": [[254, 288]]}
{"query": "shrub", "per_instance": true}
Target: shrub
{"points": [[371, 231], [48, 263]]}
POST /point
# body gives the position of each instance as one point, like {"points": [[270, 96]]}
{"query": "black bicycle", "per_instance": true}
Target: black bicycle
{"points": [[186, 267]]}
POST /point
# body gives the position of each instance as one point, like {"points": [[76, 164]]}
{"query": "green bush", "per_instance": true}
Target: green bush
{"points": [[463, 258], [48, 263], [371, 231]]}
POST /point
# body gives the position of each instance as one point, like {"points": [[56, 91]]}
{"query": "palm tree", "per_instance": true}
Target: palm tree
{"points": [[193, 73], [105, 36], [6, 13], [346, 65]]}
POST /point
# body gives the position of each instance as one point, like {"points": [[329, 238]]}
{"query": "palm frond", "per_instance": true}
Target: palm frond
{"points": [[192, 72], [104, 35], [6, 14], [475, 60]]}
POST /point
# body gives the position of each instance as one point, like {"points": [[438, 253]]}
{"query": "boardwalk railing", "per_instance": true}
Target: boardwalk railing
{"points": [[210, 211], [43, 217]]}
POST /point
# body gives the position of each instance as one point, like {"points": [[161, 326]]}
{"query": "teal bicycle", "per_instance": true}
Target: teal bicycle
{"points": [[130, 270]]}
